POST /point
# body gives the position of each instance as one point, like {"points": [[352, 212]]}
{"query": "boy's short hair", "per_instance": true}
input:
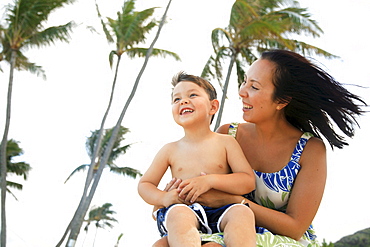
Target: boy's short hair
{"points": [[203, 83]]}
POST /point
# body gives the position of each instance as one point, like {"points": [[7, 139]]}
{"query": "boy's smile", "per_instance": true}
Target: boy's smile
{"points": [[186, 110]]}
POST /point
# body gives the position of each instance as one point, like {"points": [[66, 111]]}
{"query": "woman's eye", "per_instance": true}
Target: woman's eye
{"points": [[253, 87]]}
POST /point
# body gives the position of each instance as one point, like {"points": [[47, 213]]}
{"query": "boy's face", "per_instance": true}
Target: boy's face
{"points": [[191, 104]]}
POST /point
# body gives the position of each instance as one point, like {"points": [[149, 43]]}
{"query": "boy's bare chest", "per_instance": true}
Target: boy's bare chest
{"points": [[191, 161]]}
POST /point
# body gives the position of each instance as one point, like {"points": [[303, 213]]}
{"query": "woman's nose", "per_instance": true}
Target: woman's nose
{"points": [[243, 91]]}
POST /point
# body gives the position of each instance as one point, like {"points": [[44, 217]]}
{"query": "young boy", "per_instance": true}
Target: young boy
{"points": [[200, 151]]}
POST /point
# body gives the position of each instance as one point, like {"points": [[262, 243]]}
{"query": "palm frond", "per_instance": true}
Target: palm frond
{"points": [[128, 7], [111, 56], [307, 49], [105, 29], [240, 72], [134, 31], [128, 171], [10, 192], [51, 35], [116, 152], [101, 215], [207, 70], [26, 17], [217, 36], [14, 185], [296, 20], [19, 168], [80, 168], [141, 52]]}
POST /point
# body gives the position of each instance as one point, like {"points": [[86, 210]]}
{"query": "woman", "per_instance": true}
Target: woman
{"points": [[287, 104]]}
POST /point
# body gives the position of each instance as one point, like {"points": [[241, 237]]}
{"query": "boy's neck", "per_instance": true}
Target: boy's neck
{"points": [[197, 133]]}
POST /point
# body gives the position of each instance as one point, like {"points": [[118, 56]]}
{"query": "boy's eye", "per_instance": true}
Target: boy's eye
{"points": [[193, 95], [176, 100]]}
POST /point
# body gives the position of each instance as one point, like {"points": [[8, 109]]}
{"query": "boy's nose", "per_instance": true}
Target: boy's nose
{"points": [[184, 101]]}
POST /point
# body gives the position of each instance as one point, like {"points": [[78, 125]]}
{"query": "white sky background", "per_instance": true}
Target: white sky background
{"points": [[52, 119]]}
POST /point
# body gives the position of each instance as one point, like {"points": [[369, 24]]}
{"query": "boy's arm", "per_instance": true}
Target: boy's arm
{"points": [[241, 181], [148, 183], [239, 164]]}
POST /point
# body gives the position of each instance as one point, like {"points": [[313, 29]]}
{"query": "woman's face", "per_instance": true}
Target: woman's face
{"points": [[257, 92]]}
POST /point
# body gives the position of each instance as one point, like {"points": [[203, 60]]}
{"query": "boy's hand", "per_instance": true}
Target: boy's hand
{"points": [[190, 189], [173, 184], [171, 197]]}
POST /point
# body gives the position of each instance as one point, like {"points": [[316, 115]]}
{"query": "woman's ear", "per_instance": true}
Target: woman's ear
{"points": [[282, 103]]}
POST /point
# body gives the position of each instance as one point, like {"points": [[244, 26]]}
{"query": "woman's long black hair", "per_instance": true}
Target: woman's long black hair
{"points": [[315, 98]]}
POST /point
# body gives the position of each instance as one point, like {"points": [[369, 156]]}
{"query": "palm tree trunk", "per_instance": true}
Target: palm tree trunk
{"points": [[4, 143], [96, 233], [76, 225], [224, 90], [79, 215]]}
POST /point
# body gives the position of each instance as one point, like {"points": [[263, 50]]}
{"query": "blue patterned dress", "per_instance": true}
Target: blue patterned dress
{"points": [[272, 191]]}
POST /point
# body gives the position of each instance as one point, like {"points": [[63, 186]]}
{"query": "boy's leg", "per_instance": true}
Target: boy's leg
{"points": [[238, 225], [182, 226], [164, 243], [211, 244]]}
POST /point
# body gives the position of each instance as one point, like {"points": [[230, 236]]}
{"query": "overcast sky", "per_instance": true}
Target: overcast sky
{"points": [[51, 119]]}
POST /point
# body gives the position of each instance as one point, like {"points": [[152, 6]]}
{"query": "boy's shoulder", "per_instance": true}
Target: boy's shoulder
{"points": [[170, 145], [225, 138]]}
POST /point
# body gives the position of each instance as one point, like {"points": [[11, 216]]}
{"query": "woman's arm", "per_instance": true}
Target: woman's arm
{"points": [[234, 183], [216, 199]]}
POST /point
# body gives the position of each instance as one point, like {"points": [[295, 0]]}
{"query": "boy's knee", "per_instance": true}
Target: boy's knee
{"points": [[212, 244], [179, 211], [239, 212], [243, 210], [161, 243]]}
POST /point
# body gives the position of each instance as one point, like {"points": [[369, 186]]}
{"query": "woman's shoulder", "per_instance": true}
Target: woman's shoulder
{"points": [[234, 126], [315, 144], [315, 149], [223, 129]]}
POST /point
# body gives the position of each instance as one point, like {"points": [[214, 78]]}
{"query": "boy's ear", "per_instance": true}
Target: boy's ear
{"points": [[215, 105]]}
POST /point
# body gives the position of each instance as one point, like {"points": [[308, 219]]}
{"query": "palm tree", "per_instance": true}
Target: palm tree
{"points": [[256, 26], [24, 29], [17, 168], [118, 239], [129, 30], [101, 216], [116, 152]]}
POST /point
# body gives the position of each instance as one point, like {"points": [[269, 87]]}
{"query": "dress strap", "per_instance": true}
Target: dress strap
{"points": [[296, 155], [233, 128]]}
